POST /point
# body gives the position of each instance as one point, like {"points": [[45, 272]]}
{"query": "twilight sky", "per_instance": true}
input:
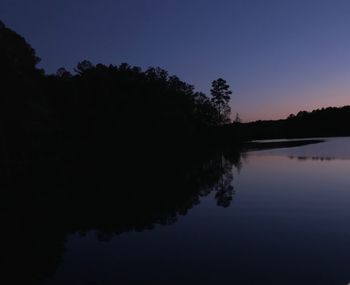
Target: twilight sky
{"points": [[279, 56]]}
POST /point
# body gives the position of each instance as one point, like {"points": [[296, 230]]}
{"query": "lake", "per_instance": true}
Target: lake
{"points": [[275, 217]]}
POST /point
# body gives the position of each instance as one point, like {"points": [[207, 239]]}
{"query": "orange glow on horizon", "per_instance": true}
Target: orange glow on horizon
{"points": [[308, 100]]}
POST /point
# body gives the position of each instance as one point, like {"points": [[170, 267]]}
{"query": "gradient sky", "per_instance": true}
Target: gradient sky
{"points": [[279, 56]]}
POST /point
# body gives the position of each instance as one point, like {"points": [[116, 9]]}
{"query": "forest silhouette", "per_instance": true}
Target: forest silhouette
{"points": [[324, 122], [100, 107], [113, 149], [109, 149]]}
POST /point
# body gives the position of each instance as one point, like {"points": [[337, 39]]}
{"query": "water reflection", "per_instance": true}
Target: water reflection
{"points": [[337, 148], [283, 220], [44, 202]]}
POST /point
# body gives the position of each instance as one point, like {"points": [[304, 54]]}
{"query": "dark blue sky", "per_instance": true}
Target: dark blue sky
{"points": [[279, 56]]}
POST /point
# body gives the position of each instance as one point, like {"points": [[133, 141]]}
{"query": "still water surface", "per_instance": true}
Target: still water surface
{"points": [[288, 223]]}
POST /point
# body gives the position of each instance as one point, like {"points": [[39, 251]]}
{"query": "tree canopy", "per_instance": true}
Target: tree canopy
{"points": [[221, 93], [98, 104]]}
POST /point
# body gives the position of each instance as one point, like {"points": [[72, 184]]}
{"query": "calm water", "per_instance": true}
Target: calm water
{"points": [[288, 223]]}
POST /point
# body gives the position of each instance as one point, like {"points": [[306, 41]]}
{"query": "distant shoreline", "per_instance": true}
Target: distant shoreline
{"points": [[250, 146]]}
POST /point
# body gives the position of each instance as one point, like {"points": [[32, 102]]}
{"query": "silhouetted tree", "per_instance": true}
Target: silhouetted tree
{"points": [[103, 105], [324, 122], [23, 106], [17, 57], [220, 98], [84, 66], [237, 119], [63, 73]]}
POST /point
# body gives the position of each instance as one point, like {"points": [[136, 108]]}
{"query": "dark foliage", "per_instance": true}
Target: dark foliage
{"points": [[23, 108], [325, 122], [220, 97], [99, 107], [109, 149], [125, 106]]}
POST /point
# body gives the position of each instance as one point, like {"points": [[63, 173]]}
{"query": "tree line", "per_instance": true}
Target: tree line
{"points": [[101, 105], [75, 153], [324, 122]]}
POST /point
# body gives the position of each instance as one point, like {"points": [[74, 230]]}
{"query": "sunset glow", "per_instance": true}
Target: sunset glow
{"points": [[279, 57]]}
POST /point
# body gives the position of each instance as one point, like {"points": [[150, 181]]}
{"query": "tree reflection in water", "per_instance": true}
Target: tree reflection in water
{"points": [[45, 201]]}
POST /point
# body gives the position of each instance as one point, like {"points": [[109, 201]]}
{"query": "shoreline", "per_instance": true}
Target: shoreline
{"points": [[253, 146]]}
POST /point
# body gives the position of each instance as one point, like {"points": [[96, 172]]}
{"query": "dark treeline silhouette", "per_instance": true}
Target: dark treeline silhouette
{"points": [[109, 149], [100, 107], [325, 122], [319, 158]]}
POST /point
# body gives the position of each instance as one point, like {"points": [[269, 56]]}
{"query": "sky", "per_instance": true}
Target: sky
{"points": [[278, 56]]}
